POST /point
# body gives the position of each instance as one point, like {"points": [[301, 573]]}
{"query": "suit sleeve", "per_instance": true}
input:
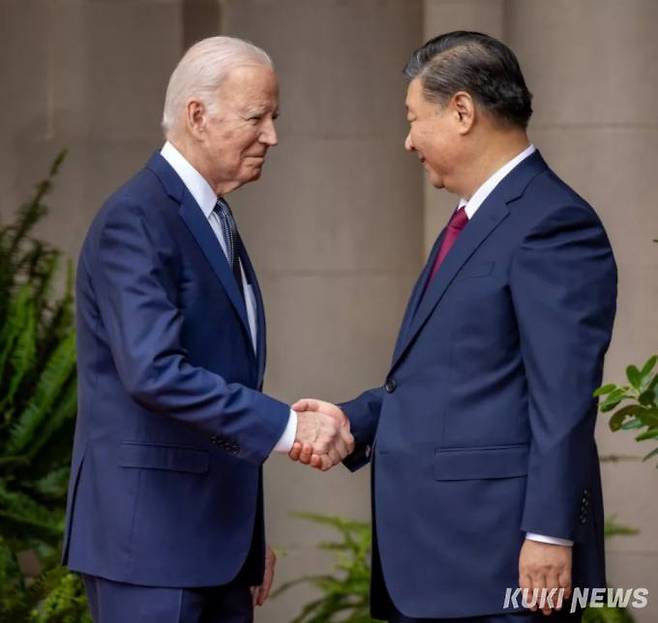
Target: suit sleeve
{"points": [[134, 277], [363, 414], [563, 281]]}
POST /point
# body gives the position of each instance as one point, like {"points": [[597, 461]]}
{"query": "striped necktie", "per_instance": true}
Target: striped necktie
{"points": [[231, 238]]}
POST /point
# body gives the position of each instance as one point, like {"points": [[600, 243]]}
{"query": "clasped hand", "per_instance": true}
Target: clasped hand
{"points": [[323, 434]]}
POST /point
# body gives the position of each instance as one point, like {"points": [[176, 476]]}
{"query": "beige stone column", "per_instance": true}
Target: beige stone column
{"points": [[88, 76], [334, 228], [591, 67]]}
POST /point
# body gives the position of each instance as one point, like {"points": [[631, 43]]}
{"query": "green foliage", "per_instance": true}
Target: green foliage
{"points": [[65, 600], [612, 528], [11, 580], [56, 596], [345, 592], [640, 395], [37, 412], [606, 615]]}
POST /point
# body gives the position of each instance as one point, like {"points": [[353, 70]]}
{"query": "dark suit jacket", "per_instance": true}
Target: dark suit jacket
{"points": [[172, 427], [484, 429]]}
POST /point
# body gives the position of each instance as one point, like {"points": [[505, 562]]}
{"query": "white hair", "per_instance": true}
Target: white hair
{"points": [[202, 69]]}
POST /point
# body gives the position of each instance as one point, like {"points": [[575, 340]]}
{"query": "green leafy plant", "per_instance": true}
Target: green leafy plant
{"points": [[37, 412], [613, 528], [345, 592], [61, 598], [634, 406], [606, 614]]}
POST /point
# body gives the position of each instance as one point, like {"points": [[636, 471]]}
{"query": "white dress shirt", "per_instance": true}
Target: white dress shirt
{"points": [[471, 207], [478, 197], [206, 198]]}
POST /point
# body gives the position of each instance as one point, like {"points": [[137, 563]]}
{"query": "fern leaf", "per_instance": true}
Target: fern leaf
{"points": [[54, 484], [22, 512], [55, 375], [23, 356], [65, 602], [64, 411], [13, 326], [12, 585], [61, 320]]}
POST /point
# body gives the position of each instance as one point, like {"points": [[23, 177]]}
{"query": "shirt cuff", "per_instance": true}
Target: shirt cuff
{"points": [[288, 438], [551, 540]]}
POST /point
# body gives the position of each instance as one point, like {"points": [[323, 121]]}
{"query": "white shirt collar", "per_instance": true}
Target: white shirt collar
{"points": [[488, 187], [199, 188]]}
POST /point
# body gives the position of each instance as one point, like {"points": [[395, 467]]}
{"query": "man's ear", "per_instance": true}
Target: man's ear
{"points": [[196, 117], [464, 111]]}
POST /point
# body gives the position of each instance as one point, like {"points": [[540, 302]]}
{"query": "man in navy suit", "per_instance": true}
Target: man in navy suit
{"points": [[165, 509], [485, 468]]}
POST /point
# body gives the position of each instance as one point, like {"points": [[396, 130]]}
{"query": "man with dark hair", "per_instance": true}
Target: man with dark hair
{"points": [[485, 468]]}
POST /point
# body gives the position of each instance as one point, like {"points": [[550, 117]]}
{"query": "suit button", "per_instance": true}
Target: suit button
{"points": [[390, 385]]}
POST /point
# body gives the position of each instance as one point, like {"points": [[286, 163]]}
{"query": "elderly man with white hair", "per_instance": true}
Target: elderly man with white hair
{"points": [[165, 509]]}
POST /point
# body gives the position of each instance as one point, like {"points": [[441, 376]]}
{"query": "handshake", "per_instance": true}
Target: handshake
{"points": [[323, 436]]}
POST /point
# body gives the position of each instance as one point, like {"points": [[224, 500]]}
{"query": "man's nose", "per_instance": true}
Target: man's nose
{"points": [[408, 145], [268, 134]]}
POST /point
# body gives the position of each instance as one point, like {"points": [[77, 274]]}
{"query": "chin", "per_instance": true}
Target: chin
{"points": [[435, 181], [250, 176]]}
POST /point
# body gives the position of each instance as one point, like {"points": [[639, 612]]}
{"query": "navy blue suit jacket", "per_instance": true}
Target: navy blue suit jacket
{"points": [[172, 427], [484, 429]]}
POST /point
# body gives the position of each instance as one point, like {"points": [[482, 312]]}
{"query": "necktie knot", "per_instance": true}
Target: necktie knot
{"points": [[459, 219], [455, 226], [223, 209]]}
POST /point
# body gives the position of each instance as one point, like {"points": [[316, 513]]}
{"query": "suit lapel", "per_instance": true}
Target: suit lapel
{"points": [[475, 232], [198, 225], [261, 337], [206, 239], [490, 214], [416, 294]]}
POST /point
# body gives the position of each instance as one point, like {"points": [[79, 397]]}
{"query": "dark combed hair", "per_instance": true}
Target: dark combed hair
{"points": [[477, 64]]}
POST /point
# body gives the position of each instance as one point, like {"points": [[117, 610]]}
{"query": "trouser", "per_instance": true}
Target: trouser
{"points": [[117, 602]]}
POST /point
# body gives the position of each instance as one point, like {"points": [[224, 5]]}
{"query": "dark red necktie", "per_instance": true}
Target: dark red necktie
{"points": [[455, 226]]}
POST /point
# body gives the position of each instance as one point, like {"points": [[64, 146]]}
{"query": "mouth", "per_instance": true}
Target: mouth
{"points": [[255, 161]]}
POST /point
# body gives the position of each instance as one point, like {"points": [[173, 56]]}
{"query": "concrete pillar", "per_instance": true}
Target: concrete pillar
{"points": [[590, 66], [201, 19], [334, 228], [88, 76]]}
